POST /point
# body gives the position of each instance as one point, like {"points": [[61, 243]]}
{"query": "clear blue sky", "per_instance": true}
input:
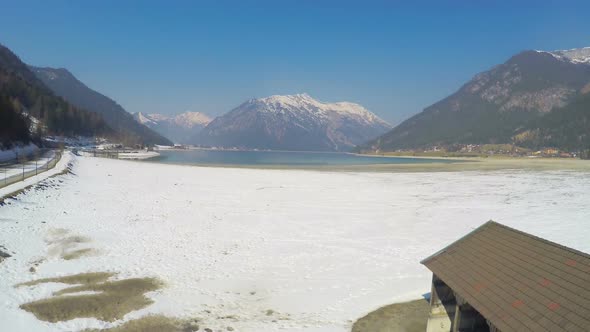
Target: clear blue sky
{"points": [[392, 57]]}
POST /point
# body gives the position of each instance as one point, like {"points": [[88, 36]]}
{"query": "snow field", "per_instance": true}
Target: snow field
{"points": [[268, 250]]}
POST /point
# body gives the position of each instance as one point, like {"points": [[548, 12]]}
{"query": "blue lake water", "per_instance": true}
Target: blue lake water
{"points": [[280, 158]]}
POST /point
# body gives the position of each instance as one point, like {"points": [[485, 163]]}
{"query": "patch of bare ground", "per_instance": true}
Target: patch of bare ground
{"points": [[400, 317], [110, 301], [77, 279], [78, 253]]}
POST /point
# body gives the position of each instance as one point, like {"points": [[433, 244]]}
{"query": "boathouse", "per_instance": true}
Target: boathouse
{"points": [[500, 279]]}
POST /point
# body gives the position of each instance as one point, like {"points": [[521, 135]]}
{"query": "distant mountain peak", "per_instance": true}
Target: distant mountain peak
{"points": [[291, 100], [179, 128], [187, 119], [190, 119], [294, 122], [304, 102]]}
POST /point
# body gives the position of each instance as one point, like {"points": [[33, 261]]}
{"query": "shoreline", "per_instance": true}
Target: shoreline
{"points": [[407, 316], [451, 164], [446, 164]]}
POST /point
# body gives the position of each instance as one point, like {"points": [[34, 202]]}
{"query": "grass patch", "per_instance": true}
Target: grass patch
{"points": [[113, 301], [400, 317], [152, 323], [82, 278], [74, 239], [62, 245]]}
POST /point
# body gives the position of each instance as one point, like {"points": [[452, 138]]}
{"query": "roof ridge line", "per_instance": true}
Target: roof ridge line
{"points": [[492, 222], [555, 244]]}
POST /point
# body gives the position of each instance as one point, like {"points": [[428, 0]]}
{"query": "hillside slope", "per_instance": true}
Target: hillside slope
{"points": [[496, 105], [64, 84], [567, 128], [24, 99]]}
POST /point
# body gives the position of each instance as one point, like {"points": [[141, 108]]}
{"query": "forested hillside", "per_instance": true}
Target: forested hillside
{"points": [[13, 126], [22, 96], [64, 84], [568, 128], [535, 99]]}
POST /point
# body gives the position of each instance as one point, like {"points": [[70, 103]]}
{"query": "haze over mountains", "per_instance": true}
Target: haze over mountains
{"points": [[535, 99]]}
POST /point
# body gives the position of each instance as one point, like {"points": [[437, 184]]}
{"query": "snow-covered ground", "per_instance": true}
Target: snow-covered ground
{"points": [[319, 249], [11, 154], [6, 171], [67, 158]]}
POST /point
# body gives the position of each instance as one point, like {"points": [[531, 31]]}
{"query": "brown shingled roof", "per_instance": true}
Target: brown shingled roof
{"points": [[517, 281]]}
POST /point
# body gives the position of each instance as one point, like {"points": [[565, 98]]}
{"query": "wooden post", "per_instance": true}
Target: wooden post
{"points": [[457, 320], [37, 155]]}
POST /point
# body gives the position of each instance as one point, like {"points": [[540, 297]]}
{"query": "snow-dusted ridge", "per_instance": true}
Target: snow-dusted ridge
{"points": [[294, 122], [574, 55], [143, 119], [186, 120], [305, 103]]}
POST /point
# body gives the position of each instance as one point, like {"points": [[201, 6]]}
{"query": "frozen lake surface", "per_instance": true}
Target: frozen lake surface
{"points": [[319, 249]]}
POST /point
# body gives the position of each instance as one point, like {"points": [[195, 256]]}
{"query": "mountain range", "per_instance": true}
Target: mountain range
{"points": [[179, 128], [60, 104], [535, 99], [293, 122]]}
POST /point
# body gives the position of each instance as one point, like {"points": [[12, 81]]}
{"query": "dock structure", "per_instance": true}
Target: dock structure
{"points": [[497, 278]]}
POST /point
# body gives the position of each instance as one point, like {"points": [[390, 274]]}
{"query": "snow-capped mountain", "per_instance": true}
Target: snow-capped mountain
{"points": [[144, 119], [178, 128], [575, 55], [294, 122], [191, 119]]}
